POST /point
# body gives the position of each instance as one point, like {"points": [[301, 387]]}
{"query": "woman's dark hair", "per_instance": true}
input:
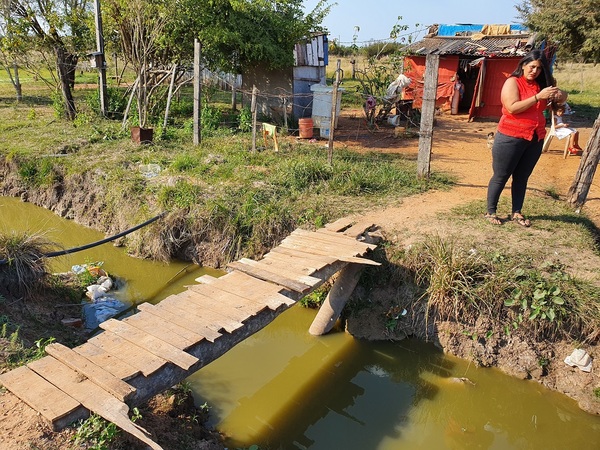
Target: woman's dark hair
{"points": [[545, 79]]}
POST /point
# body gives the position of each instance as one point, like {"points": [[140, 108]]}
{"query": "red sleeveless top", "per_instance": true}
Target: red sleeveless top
{"points": [[524, 124]]}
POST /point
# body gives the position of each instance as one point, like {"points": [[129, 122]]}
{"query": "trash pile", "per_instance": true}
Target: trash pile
{"points": [[102, 304]]}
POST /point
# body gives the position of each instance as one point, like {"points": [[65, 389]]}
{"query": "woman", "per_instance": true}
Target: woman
{"points": [[521, 131]]}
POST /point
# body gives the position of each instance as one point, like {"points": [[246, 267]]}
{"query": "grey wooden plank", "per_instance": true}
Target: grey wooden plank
{"points": [[40, 394], [88, 368], [151, 343], [183, 320]]}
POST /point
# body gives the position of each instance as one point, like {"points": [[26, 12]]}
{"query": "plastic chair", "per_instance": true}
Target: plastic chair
{"points": [[550, 135]]}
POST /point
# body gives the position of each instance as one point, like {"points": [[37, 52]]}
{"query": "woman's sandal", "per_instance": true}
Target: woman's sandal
{"points": [[493, 219], [521, 220]]}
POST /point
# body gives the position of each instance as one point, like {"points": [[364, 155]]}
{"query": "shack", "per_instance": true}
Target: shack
{"points": [[480, 57], [283, 92]]}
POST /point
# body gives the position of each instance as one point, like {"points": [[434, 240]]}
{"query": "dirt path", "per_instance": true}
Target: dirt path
{"points": [[460, 148]]}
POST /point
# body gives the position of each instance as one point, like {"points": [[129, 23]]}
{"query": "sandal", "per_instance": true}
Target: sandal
{"points": [[493, 219], [521, 220]]}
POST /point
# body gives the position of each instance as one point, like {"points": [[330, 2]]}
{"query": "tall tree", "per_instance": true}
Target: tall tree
{"points": [[238, 33], [59, 26], [573, 24]]}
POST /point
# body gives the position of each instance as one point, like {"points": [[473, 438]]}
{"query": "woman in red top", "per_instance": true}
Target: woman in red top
{"points": [[521, 131]]}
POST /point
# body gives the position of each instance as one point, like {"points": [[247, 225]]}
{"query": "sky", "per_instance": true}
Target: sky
{"points": [[375, 18]]}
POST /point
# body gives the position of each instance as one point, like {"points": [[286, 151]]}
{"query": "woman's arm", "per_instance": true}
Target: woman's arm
{"points": [[514, 104]]}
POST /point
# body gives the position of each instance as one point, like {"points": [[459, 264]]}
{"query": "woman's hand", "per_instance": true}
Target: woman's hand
{"points": [[550, 93]]}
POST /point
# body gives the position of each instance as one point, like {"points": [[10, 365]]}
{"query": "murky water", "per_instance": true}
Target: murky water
{"points": [[142, 280], [285, 389]]}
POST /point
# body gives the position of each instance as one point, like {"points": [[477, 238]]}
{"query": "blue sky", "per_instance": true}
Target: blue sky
{"points": [[377, 17]]}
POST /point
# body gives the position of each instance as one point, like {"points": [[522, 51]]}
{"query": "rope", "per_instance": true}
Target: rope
{"points": [[97, 243]]}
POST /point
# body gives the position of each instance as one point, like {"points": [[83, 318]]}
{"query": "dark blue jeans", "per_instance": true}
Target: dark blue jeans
{"points": [[514, 157]]}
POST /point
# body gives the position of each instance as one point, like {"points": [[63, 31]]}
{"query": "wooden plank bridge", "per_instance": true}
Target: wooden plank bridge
{"points": [[134, 359]]}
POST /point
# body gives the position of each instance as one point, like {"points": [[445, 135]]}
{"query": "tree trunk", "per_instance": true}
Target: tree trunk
{"points": [[587, 168], [66, 64], [17, 83]]}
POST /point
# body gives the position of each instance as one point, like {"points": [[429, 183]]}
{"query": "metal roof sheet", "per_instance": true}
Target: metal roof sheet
{"points": [[501, 46]]}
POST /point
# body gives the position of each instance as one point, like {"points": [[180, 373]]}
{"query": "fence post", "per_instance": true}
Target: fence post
{"points": [[334, 96], [432, 64], [253, 109], [197, 93]]}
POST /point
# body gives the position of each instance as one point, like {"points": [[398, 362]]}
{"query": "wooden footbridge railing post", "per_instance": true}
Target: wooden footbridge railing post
{"points": [[339, 294]]}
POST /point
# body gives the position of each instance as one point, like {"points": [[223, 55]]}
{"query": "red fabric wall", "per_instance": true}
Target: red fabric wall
{"points": [[415, 70], [497, 71]]}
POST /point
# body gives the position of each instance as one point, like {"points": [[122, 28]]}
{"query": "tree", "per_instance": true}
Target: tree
{"points": [[573, 24], [60, 27], [240, 33]]}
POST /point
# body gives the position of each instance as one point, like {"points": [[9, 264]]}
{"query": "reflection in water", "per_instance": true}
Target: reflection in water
{"points": [[285, 389]]}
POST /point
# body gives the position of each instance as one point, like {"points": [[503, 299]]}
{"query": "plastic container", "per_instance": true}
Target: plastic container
{"points": [[324, 132], [306, 128], [321, 107]]}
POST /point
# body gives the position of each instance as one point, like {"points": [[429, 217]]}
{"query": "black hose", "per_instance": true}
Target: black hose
{"points": [[95, 244]]}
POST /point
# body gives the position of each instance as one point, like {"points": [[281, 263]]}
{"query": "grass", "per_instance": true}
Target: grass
{"points": [[582, 83], [23, 258], [246, 200]]}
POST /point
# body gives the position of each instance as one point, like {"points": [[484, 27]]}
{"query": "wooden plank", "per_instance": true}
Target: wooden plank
{"points": [[151, 343], [318, 251], [111, 363], [228, 307], [301, 265], [200, 319], [340, 224], [165, 331], [40, 394], [332, 248], [90, 395], [184, 305], [250, 306], [137, 356], [270, 276], [96, 374], [324, 259], [359, 228], [335, 239], [284, 269], [250, 287], [183, 321]]}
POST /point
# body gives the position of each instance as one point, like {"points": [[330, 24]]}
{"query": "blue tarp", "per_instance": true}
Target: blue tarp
{"points": [[451, 30]]}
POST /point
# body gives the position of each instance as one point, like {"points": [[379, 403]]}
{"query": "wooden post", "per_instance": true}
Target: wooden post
{"points": [[233, 96], [100, 49], [253, 109], [334, 97], [285, 117], [169, 96], [432, 64], [197, 93], [587, 168], [334, 303]]}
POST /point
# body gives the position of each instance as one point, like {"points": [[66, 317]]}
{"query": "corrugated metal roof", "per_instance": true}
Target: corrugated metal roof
{"points": [[503, 46]]}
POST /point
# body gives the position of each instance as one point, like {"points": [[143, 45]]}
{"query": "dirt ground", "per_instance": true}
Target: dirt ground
{"points": [[459, 148]]}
